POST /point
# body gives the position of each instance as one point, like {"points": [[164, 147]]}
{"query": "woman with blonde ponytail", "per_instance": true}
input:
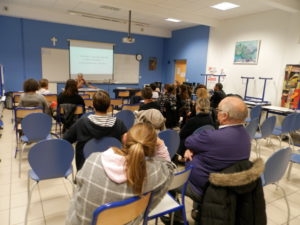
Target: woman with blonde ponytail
{"points": [[142, 165]]}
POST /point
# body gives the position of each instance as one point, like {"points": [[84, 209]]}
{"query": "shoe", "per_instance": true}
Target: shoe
{"points": [[167, 221], [195, 214]]}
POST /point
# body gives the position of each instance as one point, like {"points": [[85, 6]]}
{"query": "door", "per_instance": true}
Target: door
{"points": [[180, 70]]}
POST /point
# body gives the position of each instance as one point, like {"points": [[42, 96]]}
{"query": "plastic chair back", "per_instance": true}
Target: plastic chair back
{"points": [[180, 178], [127, 116], [51, 98], [51, 158], [289, 123], [267, 126], [252, 126], [169, 204], [171, 139], [255, 112], [100, 145], [121, 212], [36, 126], [276, 165]]}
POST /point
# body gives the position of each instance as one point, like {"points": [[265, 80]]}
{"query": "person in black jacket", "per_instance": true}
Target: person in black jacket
{"points": [[148, 103], [96, 125], [234, 196], [217, 95], [202, 117]]}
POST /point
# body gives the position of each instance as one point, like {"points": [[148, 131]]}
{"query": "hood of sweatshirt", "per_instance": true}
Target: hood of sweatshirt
{"points": [[114, 166]]}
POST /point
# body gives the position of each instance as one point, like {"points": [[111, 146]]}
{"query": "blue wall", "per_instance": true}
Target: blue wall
{"points": [[190, 44], [22, 39]]}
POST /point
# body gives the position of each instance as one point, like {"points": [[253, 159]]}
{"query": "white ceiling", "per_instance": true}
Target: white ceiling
{"points": [[148, 16]]}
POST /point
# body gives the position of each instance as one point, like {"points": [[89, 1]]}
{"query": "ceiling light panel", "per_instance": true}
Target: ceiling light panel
{"points": [[225, 6]]}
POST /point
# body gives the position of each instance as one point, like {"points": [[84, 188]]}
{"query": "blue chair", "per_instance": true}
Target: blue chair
{"points": [[255, 112], [170, 204], [122, 212], [202, 128], [35, 127], [171, 139], [19, 114], [49, 159], [295, 158], [127, 116], [288, 125], [275, 168], [100, 145], [266, 130], [252, 127]]}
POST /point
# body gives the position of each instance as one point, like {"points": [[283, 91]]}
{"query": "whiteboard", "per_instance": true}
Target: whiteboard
{"points": [[55, 64], [55, 67], [126, 69]]}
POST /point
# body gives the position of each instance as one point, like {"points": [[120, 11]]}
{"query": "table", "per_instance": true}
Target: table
{"points": [[89, 91], [277, 110], [250, 104]]}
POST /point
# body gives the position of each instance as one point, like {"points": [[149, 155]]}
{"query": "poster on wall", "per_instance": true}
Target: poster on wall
{"points": [[290, 97], [246, 52]]}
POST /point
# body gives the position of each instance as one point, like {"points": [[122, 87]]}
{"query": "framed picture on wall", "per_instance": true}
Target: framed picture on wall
{"points": [[152, 63], [246, 52]]}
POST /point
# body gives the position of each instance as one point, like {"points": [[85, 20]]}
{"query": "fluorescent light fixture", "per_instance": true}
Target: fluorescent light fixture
{"points": [[173, 20], [225, 6]]}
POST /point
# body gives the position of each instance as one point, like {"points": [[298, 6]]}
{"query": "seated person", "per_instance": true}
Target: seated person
{"points": [[43, 90], [214, 150], [69, 99], [148, 100], [82, 83], [168, 106], [217, 96], [30, 97], [155, 92], [152, 116], [202, 117], [142, 165], [96, 125]]}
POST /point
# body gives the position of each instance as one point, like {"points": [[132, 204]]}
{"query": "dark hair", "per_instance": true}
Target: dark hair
{"points": [[170, 88], [70, 88], [153, 86], [219, 85], [101, 101], [30, 85], [147, 93]]}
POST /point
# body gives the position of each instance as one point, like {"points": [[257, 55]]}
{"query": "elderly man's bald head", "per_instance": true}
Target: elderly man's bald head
{"points": [[235, 108]]}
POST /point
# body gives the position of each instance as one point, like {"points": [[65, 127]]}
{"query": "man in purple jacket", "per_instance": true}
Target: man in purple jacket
{"points": [[214, 150]]}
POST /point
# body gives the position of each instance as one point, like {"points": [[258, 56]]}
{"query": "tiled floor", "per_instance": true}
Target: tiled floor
{"points": [[50, 199]]}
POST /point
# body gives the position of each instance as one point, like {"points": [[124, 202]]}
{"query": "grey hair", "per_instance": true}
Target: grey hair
{"points": [[237, 110]]}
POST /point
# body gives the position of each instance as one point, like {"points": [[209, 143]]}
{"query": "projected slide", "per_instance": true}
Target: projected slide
{"points": [[94, 59]]}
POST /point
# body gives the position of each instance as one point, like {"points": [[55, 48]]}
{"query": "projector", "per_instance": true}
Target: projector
{"points": [[128, 40]]}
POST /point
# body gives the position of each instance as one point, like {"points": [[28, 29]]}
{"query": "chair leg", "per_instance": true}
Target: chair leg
{"points": [[289, 170], [29, 198], [287, 204], [21, 157], [257, 149]]}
